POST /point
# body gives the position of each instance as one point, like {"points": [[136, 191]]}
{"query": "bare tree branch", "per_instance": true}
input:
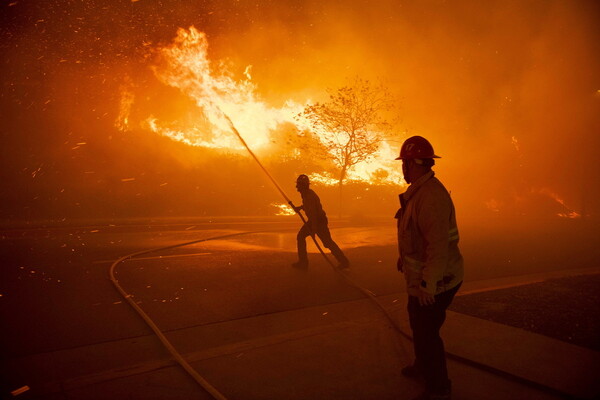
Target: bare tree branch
{"points": [[352, 123]]}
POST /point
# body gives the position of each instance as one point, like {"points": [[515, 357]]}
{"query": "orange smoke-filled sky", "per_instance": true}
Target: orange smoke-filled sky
{"points": [[471, 76], [508, 92]]}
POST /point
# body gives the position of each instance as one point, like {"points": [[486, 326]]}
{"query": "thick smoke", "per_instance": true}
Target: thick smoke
{"points": [[508, 93]]}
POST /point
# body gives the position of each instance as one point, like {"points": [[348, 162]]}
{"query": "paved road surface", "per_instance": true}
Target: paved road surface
{"points": [[56, 294]]}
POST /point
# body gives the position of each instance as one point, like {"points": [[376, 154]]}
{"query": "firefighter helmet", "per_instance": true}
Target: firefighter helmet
{"points": [[416, 147], [303, 180]]}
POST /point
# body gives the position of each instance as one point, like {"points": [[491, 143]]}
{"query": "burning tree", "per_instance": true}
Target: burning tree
{"points": [[352, 124]]}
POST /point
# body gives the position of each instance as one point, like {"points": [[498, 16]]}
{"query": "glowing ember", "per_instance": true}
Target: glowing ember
{"points": [[492, 205], [127, 99], [515, 143]]}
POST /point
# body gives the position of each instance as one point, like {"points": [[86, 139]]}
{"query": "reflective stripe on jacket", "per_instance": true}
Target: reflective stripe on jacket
{"points": [[428, 237]]}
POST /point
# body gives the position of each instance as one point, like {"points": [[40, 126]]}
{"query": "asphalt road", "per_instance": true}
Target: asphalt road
{"points": [[55, 291], [56, 294]]}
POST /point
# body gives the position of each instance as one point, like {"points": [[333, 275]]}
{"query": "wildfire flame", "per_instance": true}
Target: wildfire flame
{"points": [[185, 65], [569, 213], [532, 193], [283, 209]]}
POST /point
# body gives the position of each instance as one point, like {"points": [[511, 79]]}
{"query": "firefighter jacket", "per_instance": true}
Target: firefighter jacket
{"points": [[311, 204], [428, 238]]}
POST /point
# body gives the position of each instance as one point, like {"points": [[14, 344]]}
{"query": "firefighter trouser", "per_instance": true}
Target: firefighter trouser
{"points": [[325, 236], [425, 322]]}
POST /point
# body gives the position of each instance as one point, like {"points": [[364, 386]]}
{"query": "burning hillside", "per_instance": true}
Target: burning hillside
{"points": [[185, 65], [118, 109]]}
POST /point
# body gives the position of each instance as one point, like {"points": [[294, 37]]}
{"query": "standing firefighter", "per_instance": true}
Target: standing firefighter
{"points": [[316, 224], [431, 262]]}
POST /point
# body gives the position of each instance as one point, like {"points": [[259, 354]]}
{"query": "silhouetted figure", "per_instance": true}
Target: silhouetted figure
{"points": [[431, 262], [316, 224]]}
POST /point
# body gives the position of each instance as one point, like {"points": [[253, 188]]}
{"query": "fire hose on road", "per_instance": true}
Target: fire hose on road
{"points": [[129, 298], [366, 292], [217, 395], [176, 355], [170, 348], [369, 294]]}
